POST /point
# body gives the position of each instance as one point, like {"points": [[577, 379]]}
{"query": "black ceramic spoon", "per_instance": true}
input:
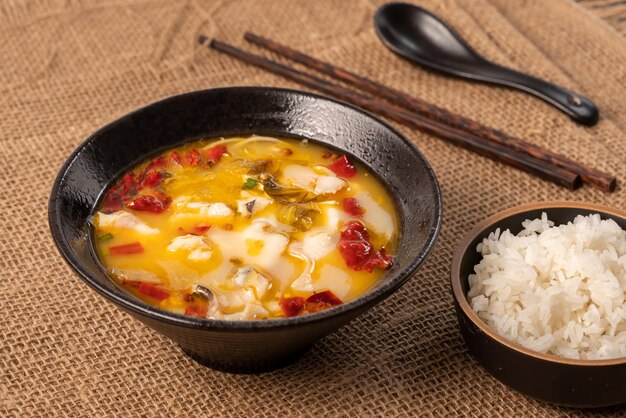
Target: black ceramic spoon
{"points": [[420, 36]]}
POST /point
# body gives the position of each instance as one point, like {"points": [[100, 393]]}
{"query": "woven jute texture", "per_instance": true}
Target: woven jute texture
{"points": [[611, 11], [68, 67]]}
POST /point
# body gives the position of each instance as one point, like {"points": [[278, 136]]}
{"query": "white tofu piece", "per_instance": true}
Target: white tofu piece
{"points": [[254, 311], [273, 306], [123, 220], [201, 211], [199, 255], [335, 218], [135, 275], [300, 176], [260, 284], [198, 248], [179, 276], [274, 223], [375, 217], [270, 257], [318, 242], [248, 288], [217, 210], [230, 301], [329, 185], [304, 283], [306, 178], [274, 244], [259, 204], [239, 278], [235, 300], [180, 201], [249, 278], [196, 205], [187, 242], [250, 311], [212, 210], [334, 279]]}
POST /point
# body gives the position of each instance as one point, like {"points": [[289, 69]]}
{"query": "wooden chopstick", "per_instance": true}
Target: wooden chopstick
{"points": [[592, 176], [464, 139]]}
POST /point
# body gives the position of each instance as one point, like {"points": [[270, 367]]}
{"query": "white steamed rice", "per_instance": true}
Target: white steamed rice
{"points": [[555, 289]]}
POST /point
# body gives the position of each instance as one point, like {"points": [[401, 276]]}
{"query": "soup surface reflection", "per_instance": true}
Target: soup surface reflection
{"points": [[246, 228]]}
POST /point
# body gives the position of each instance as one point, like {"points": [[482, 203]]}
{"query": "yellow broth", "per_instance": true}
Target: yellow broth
{"points": [[180, 232]]}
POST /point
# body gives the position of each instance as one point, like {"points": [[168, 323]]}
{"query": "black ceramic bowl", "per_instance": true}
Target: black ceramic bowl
{"points": [[578, 383], [250, 346]]}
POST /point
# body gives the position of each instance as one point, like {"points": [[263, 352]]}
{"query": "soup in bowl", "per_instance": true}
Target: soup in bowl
{"points": [[246, 228], [294, 215]]}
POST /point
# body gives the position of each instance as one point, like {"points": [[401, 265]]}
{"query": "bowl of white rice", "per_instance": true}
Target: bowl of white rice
{"points": [[540, 294]]}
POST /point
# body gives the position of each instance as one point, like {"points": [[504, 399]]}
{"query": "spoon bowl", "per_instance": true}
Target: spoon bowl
{"points": [[419, 36]]}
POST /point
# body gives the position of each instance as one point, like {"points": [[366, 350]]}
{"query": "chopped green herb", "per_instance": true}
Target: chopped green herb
{"points": [[250, 183], [106, 237]]}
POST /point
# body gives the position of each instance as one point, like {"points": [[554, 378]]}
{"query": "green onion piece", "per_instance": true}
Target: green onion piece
{"points": [[106, 237], [250, 183]]}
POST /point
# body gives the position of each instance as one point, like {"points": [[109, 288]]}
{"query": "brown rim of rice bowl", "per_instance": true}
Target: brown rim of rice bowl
{"points": [[484, 226]]}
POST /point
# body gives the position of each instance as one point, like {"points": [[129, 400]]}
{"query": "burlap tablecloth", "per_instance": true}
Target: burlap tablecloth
{"points": [[68, 67]]}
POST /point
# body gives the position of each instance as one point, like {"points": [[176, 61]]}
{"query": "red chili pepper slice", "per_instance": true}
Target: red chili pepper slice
{"points": [[156, 163], [352, 206], [378, 259], [150, 203], [202, 228], [342, 167], [133, 283], [326, 297], [292, 306], [131, 248], [152, 179], [112, 200], [199, 311], [354, 231], [152, 291], [356, 253], [129, 186], [176, 158], [321, 301], [192, 157], [357, 250], [214, 154], [128, 180]]}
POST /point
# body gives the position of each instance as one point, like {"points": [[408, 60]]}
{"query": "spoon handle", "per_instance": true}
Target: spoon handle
{"points": [[578, 107]]}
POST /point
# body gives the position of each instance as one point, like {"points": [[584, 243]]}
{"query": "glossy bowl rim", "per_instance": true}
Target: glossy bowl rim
{"points": [[128, 302], [461, 300]]}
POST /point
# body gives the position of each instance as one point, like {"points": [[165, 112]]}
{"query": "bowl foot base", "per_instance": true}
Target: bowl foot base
{"points": [[245, 367]]}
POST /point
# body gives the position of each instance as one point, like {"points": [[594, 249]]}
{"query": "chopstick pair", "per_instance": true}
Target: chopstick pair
{"points": [[424, 116]]}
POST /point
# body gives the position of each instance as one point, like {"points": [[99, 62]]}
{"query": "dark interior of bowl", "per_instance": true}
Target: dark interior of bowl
{"points": [[548, 378], [244, 111]]}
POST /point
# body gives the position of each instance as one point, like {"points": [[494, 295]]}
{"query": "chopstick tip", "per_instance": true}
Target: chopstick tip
{"points": [[202, 39], [210, 43], [612, 185], [216, 44]]}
